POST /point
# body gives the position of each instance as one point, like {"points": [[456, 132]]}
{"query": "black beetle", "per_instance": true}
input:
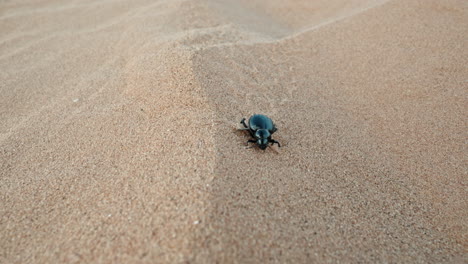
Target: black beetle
{"points": [[261, 128]]}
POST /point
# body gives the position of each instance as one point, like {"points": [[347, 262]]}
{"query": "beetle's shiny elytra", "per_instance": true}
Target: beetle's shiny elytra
{"points": [[261, 128]]}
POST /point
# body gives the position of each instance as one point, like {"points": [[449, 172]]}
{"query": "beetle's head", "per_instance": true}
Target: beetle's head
{"points": [[262, 143], [262, 136]]}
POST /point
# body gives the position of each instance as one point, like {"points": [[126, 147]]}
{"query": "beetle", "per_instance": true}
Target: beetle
{"points": [[260, 127]]}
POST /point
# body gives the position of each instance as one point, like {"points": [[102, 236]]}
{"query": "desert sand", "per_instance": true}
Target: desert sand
{"points": [[119, 140]]}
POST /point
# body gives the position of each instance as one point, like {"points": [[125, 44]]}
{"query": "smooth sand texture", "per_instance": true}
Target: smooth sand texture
{"points": [[118, 139]]}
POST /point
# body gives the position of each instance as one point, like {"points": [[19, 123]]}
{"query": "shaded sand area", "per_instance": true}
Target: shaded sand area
{"points": [[118, 139]]}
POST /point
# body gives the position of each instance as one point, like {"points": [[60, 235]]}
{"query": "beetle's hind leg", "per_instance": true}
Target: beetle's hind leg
{"points": [[245, 125], [272, 141], [274, 129], [243, 122]]}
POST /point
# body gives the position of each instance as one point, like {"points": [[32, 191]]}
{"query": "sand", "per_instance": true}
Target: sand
{"points": [[118, 140]]}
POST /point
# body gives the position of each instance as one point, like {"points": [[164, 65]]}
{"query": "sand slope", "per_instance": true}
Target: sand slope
{"points": [[118, 138]]}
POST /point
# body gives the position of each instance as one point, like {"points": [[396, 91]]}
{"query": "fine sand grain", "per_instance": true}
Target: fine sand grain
{"points": [[118, 140]]}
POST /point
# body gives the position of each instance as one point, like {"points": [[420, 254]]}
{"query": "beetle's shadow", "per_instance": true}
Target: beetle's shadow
{"points": [[242, 132]]}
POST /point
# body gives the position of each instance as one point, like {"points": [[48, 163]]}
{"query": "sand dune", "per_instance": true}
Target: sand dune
{"points": [[119, 144]]}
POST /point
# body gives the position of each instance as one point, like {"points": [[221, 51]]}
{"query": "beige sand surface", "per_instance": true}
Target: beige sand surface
{"points": [[118, 139]]}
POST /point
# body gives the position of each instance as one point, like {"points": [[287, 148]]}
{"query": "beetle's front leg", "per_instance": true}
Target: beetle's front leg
{"points": [[251, 141], [272, 141]]}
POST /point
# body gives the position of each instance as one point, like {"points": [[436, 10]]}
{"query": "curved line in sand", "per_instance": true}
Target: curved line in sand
{"points": [[350, 14], [305, 30]]}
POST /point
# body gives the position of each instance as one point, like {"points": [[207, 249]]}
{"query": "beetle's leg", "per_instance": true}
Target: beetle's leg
{"points": [[274, 141], [251, 141], [243, 122]]}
